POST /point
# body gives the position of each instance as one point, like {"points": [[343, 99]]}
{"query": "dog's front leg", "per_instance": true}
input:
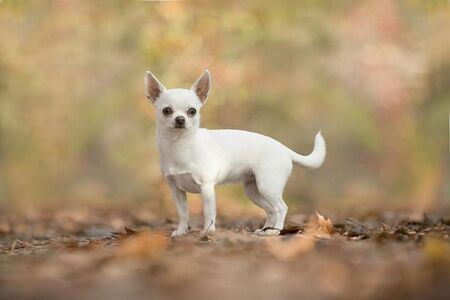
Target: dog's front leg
{"points": [[182, 209], [209, 207]]}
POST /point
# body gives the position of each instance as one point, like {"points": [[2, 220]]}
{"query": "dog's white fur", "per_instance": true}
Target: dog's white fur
{"points": [[196, 159]]}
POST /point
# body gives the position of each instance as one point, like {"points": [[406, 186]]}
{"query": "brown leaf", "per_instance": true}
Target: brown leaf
{"points": [[291, 248], [5, 227], [144, 244], [127, 233], [436, 250], [324, 224], [292, 229]]}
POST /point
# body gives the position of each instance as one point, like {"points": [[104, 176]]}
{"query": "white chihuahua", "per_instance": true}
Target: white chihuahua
{"points": [[195, 159]]}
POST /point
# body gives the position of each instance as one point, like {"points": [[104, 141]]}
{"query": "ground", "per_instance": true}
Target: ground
{"points": [[90, 254]]}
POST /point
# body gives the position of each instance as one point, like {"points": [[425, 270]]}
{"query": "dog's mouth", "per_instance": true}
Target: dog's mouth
{"points": [[178, 126]]}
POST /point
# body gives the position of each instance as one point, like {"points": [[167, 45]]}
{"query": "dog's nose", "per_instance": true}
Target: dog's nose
{"points": [[180, 120]]}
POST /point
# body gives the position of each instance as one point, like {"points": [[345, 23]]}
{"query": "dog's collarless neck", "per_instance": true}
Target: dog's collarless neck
{"points": [[170, 138]]}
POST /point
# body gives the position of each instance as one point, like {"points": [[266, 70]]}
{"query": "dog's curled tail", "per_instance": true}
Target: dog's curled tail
{"points": [[317, 156]]}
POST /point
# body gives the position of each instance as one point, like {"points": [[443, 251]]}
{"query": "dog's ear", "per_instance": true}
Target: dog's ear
{"points": [[202, 85], [153, 88]]}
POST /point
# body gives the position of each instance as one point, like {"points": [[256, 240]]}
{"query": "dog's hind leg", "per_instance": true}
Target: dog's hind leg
{"points": [[251, 190], [271, 187]]}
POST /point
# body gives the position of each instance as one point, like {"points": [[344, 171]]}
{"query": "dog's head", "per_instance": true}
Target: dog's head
{"points": [[178, 109]]}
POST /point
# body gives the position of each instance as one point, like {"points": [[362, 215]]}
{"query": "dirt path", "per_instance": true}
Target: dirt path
{"points": [[93, 256]]}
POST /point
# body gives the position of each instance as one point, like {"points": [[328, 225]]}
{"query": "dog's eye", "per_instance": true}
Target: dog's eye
{"points": [[191, 112], [167, 111]]}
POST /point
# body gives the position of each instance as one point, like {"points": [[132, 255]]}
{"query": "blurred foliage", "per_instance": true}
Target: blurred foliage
{"points": [[374, 76]]}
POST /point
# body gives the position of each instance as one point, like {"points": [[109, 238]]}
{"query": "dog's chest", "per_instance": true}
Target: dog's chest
{"points": [[185, 182], [182, 164]]}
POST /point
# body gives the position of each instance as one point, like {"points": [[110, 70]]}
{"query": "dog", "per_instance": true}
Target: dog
{"points": [[195, 159]]}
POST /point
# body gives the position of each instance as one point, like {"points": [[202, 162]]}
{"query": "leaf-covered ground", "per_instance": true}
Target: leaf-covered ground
{"points": [[74, 254]]}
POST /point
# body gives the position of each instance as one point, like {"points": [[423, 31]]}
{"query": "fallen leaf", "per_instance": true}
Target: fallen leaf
{"points": [[324, 224], [5, 227], [292, 229], [127, 233], [436, 250], [288, 249], [144, 244]]}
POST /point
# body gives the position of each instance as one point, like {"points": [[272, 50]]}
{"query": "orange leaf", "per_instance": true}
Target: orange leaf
{"points": [[291, 248], [144, 244], [325, 224]]}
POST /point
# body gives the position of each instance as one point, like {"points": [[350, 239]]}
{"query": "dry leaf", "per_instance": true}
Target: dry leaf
{"points": [[291, 248], [144, 244], [5, 227], [436, 250], [324, 224]]}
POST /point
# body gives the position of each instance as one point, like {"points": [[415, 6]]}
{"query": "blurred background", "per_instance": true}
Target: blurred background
{"points": [[374, 76]]}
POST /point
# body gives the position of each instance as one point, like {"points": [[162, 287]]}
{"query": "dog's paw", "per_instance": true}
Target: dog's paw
{"points": [[176, 233], [267, 232], [210, 229]]}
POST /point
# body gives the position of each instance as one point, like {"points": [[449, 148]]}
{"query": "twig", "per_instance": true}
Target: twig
{"points": [[356, 222], [207, 229], [206, 238], [384, 225], [13, 246]]}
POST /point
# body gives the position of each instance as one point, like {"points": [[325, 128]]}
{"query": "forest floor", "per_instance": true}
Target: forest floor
{"points": [[81, 254]]}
